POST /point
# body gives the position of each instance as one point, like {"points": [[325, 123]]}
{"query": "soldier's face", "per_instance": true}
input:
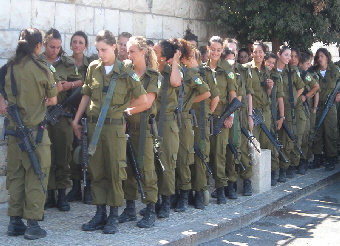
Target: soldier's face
{"points": [[122, 50], [158, 50], [134, 53], [215, 51], [322, 60], [306, 65], [106, 52], [52, 48], [294, 59], [285, 56], [244, 57], [258, 54], [270, 62], [78, 44]]}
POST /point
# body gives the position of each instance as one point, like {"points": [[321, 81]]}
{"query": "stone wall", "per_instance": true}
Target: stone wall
{"points": [[154, 19]]}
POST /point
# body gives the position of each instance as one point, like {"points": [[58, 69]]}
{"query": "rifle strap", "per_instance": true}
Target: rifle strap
{"points": [[164, 90], [13, 83], [142, 129], [202, 125], [291, 99], [181, 95], [245, 98], [235, 128], [274, 107], [102, 115]]}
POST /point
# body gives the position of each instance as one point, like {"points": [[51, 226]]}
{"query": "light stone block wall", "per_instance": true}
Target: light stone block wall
{"points": [[154, 19]]}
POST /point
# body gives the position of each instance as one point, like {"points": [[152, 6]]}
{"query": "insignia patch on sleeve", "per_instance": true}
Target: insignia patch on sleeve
{"points": [[308, 78], [52, 68], [249, 72], [298, 73], [135, 77], [181, 74], [231, 75], [198, 81]]}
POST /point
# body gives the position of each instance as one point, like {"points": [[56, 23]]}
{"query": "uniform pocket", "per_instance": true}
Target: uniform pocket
{"points": [[96, 92], [191, 156], [121, 170], [119, 95]]}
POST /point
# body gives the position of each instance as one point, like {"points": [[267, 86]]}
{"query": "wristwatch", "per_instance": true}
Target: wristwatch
{"points": [[72, 86], [282, 117]]}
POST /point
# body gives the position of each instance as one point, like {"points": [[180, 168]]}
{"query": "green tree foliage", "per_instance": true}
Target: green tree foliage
{"points": [[300, 23]]}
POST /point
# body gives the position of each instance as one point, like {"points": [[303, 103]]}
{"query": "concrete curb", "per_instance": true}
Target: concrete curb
{"points": [[278, 197]]}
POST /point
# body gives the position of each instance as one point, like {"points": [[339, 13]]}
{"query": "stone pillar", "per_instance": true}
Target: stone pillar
{"points": [[3, 163], [261, 180]]}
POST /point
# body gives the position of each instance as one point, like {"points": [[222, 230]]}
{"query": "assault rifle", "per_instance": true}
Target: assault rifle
{"points": [[133, 162], [25, 138], [156, 141], [201, 156], [329, 103], [55, 112], [291, 136], [84, 148], [235, 153], [250, 138], [258, 121], [233, 106], [305, 103]]}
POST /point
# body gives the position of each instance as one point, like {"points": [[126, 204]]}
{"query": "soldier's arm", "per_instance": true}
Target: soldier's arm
{"points": [[213, 103], [3, 105]]}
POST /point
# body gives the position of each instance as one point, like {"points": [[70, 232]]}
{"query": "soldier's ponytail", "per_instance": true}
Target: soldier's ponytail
{"points": [[150, 55], [28, 40]]}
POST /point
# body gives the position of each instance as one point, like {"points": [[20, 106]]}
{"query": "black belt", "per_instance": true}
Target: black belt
{"points": [[107, 121]]}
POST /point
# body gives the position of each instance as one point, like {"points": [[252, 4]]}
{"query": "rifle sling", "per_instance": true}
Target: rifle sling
{"points": [[142, 129], [102, 115], [291, 99]]}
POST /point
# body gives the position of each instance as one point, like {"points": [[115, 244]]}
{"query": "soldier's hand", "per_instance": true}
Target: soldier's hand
{"points": [[337, 98], [279, 123], [270, 83], [228, 123], [77, 129], [3, 105], [303, 98]]}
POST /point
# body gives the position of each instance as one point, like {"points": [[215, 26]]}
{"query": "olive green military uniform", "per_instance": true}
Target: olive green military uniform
{"points": [[107, 165], [76, 169], [26, 194], [239, 140], [225, 79], [289, 150], [170, 139], [262, 102], [327, 136], [150, 81], [193, 86], [61, 133], [202, 110], [310, 79]]}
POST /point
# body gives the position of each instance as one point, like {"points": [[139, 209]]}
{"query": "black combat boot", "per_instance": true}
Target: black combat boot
{"points": [[129, 213], [221, 195], [33, 230], [174, 199], [182, 203], [62, 203], [231, 190], [214, 194], [16, 227], [75, 192], [164, 212], [282, 175], [50, 201], [290, 173], [316, 162], [302, 167], [158, 206], [199, 201], [247, 189], [191, 198], [149, 218], [98, 221], [87, 193], [329, 164], [274, 178], [112, 223]]}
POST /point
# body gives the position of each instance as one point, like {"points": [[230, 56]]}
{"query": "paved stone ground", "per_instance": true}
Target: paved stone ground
{"points": [[313, 221], [192, 227]]}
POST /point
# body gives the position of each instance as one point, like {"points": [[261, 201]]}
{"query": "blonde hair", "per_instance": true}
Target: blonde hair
{"points": [[150, 55], [197, 55]]}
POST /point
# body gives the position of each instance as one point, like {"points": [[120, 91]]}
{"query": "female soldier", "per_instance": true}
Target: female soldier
{"points": [[195, 90], [79, 42], [144, 62], [167, 126], [327, 135], [270, 60], [32, 77], [293, 108], [262, 100], [224, 77], [107, 165], [61, 133], [243, 56], [311, 85]]}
